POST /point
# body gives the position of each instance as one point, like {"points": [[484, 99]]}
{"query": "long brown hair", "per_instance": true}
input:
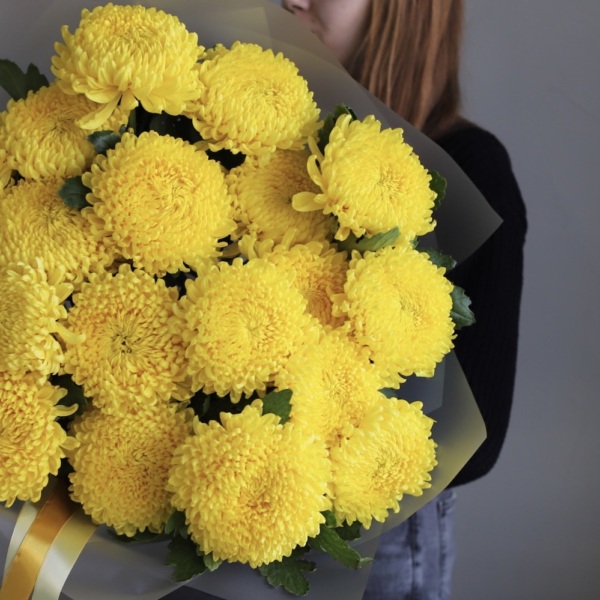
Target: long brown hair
{"points": [[409, 59]]}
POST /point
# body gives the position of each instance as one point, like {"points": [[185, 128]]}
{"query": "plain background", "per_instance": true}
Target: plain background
{"points": [[530, 530]]}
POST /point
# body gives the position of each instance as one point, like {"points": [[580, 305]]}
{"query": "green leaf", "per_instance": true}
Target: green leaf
{"points": [[176, 524], [104, 141], [18, 83], [74, 392], [278, 403], [461, 314], [439, 259], [289, 574], [73, 193], [369, 244], [174, 125], [349, 532], [183, 555], [438, 184], [211, 563], [345, 531], [330, 541], [329, 123]]}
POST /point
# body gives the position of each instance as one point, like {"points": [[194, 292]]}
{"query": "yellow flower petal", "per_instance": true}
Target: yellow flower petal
{"points": [[244, 321], [398, 304], [253, 101], [131, 53], [42, 137], [35, 222], [129, 357], [388, 455], [32, 442], [121, 465], [30, 309], [251, 489], [163, 203], [371, 181]]}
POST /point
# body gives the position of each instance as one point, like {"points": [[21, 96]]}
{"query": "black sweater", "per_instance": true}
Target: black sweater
{"points": [[492, 277]]}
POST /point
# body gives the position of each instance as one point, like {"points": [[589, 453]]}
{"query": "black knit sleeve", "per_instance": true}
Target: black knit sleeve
{"points": [[492, 278]]}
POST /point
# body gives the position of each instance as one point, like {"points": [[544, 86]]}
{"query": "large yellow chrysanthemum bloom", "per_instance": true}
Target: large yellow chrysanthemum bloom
{"points": [[5, 170], [129, 356], [31, 314], [263, 198], [398, 304], [318, 270], [388, 455], [42, 138], [244, 321], [128, 54], [121, 465], [37, 223], [333, 384], [32, 443], [253, 101], [164, 203], [370, 180], [252, 490]]}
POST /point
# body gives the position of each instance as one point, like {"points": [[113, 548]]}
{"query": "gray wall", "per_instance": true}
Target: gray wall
{"points": [[530, 530]]}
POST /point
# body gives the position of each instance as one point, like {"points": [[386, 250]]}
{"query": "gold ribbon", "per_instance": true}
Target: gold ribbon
{"points": [[49, 549]]}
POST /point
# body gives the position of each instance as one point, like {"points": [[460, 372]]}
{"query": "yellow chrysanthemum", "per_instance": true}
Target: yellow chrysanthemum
{"points": [[388, 455], [253, 101], [31, 311], [252, 490], [42, 138], [5, 170], [164, 203], [370, 180], [37, 223], [333, 385], [32, 443], [128, 356], [126, 55], [318, 270], [399, 304], [244, 321], [121, 465], [263, 195]]}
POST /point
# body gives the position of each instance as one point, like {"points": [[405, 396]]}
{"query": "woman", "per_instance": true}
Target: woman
{"points": [[406, 52]]}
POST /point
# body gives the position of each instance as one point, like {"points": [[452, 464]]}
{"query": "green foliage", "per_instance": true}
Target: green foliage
{"points": [[329, 123], [174, 125], [461, 314], [289, 573], [278, 403], [438, 184], [211, 563], [369, 244], [329, 540], [176, 524], [74, 193], [345, 531], [18, 83], [104, 141], [439, 259], [183, 555]]}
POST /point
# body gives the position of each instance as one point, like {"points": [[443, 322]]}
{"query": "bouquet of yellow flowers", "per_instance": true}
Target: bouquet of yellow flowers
{"points": [[212, 295]]}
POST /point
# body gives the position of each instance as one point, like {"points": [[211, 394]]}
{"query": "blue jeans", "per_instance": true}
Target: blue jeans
{"points": [[414, 561]]}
